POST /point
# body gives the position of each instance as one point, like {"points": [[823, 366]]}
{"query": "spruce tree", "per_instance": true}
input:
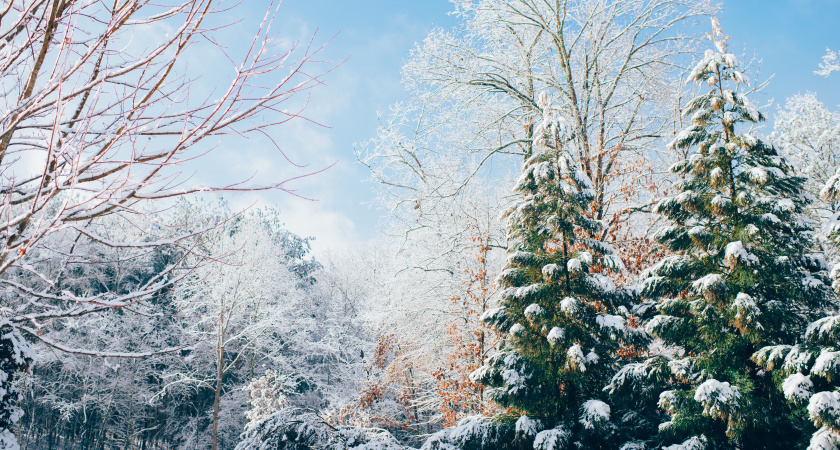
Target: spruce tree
{"points": [[16, 356], [807, 371], [564, 318], [741, 277]]}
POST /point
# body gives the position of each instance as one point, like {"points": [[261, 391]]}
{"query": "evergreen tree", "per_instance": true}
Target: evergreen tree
{"points": [[741, 277], [807, 371], [564, 319], [16, 356]]}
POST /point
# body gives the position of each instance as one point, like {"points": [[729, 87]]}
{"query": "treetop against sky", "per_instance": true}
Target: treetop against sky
{"points": [[372, 39]]}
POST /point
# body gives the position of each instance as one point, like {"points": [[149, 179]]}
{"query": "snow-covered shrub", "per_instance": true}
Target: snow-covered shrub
{"points": [[481, 433], [294, 429]]}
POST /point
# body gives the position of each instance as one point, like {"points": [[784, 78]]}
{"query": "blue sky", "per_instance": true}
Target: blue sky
{"points": [[374, 37]]}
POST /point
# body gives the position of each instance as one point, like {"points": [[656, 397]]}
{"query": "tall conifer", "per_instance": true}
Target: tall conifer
{"points": [[564, 319], [741, 277], [807, 371]]}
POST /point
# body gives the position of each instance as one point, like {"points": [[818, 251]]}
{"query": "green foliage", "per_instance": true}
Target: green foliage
{"points": [[741, 277], [564, 318]]}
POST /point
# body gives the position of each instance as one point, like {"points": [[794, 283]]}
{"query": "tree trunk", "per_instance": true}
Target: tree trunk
{"points": [[220, 368]]}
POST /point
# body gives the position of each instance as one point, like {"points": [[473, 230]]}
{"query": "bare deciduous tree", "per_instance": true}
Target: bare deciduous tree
{"points": [[99, 108], [613, 68]]}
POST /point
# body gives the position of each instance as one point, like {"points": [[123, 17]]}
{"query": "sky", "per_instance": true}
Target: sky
{"points": [[371, 39]]}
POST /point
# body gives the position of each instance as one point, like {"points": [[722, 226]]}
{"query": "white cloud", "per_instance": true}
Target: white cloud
{"points": [[333, 230]]}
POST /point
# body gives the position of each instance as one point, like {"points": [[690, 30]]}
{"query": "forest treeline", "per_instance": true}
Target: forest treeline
{"points": [[594, 238]]}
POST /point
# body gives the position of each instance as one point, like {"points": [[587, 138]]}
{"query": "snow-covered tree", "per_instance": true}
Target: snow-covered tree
{"points": [[16, 356], [563, 317], [292, 429], [807, 370], [99, 105], [241, 300], [167, 399], [807, 373], [809, 136], [612, 65], [829, 63], [742, 277]]}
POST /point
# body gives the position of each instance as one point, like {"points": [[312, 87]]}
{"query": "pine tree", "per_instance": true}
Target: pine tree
{"points": [[742, 277], [16, 356], [807, 371], [564, 320]]}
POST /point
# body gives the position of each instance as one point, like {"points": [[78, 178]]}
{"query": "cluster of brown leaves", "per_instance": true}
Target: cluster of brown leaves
{"points": [[470, 340]]}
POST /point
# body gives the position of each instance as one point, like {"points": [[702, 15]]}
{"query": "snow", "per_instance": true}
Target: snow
{"points": [[647, 283], [517, 330], [18, 356], [685, 197], [569, 305], [719, 399], [602, 282], [526, 292], [811, 281], [554, 439], [784, 204], [835, 271], [575, 359], [480, 373], [550, 271], [526, 426], [633, 445], [826, 329], [614, 262], [573, 264], [470, 427], [746, 311], [825, 439], [609, 321], [831, 191], [797, 359], [698, 231], [533, 311], [736, 252], [824, 407], [595, 414], [720, 201], [21, 352], [292, 428], [555, 335], [663, 231], [683, 370], [515, 379], [815, 261], [659, 321], [667, 401], [707, 283], [585, 257], [757, 174], [8, 440], [797, 387], [694, 443], [827, 365], [665, 266], [771, 218], [493, 314]]}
